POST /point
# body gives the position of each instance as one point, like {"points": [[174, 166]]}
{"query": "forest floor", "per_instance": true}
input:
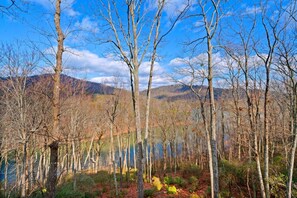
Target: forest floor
{"points": [[186, 190], [236, 180]]}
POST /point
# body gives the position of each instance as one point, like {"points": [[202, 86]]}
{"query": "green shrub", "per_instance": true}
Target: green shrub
{"points": [[193, 180], [231, 174], [224, 194], [172, 190], [102, 177], [168, 180], [174, 180], [84, 188], [179, 181], [67, 191], [194, 184], [193, 187], [208, 190], [278, 185], [191, 170], [36, 194], [149, 192], [90, 195], [12, 194]]}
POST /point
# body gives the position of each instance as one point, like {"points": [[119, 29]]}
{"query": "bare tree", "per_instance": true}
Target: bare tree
{"points": [[272, 30], [286, 66], [54, 145], [113, 112], [128, 41], [10, 7], [210, 16], [156, 42], [19, 63]]}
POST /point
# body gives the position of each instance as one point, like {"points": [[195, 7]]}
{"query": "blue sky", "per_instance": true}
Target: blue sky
{"points": [[84, 58]]}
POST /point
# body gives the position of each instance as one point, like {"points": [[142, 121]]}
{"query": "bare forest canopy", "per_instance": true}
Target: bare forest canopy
{"points": [[200, 98]]}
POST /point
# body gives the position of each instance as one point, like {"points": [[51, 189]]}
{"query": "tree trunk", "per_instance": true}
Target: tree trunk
{"points": [[128, 157], [24, 172], [223, 135], [139, 154], [213, 136], [164, 156], [52, 174], [293, 150], [266, 135]]}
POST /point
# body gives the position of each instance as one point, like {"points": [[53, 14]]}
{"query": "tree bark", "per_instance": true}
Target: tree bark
{"points": [[139, 151], [52, 174], [213, 136], [294, 133]]}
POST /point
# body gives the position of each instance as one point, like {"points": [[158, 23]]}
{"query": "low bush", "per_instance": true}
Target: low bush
{"points": [[179, 181], [193, 180], [191, 170], [157, 183], [194, 195], [278, 185], [168, 180], [84, 188], [231, 174], [149, 192], [224, 194], [67, 191], [102, 177], [193, 187], [174, 180], [172, 190]]}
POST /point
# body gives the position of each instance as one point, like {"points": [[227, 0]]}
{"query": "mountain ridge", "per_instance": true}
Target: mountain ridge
{"points": [[168, 92]]}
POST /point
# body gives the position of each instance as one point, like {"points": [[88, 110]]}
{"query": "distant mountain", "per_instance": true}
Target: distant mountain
{"points": [[182, 92], [90, 87], [169, 93]]}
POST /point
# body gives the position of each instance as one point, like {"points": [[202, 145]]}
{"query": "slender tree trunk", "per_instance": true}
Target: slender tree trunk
{"points": [[128, 157], [223, 134], [89, 151], [164, 156], [134, 153], [24, 171], [213, 136], [148, 93], [120, 160], [266, 134], [5, 173], [52, 174], [293, 150], [139, 154]]}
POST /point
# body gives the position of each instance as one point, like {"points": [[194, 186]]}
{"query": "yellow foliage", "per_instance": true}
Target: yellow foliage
{"points": [[172, 190], [194, 195], [157, 183]]}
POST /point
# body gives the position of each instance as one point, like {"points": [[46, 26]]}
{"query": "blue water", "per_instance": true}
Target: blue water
{"points": [[11, 171], [104, 159]]}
